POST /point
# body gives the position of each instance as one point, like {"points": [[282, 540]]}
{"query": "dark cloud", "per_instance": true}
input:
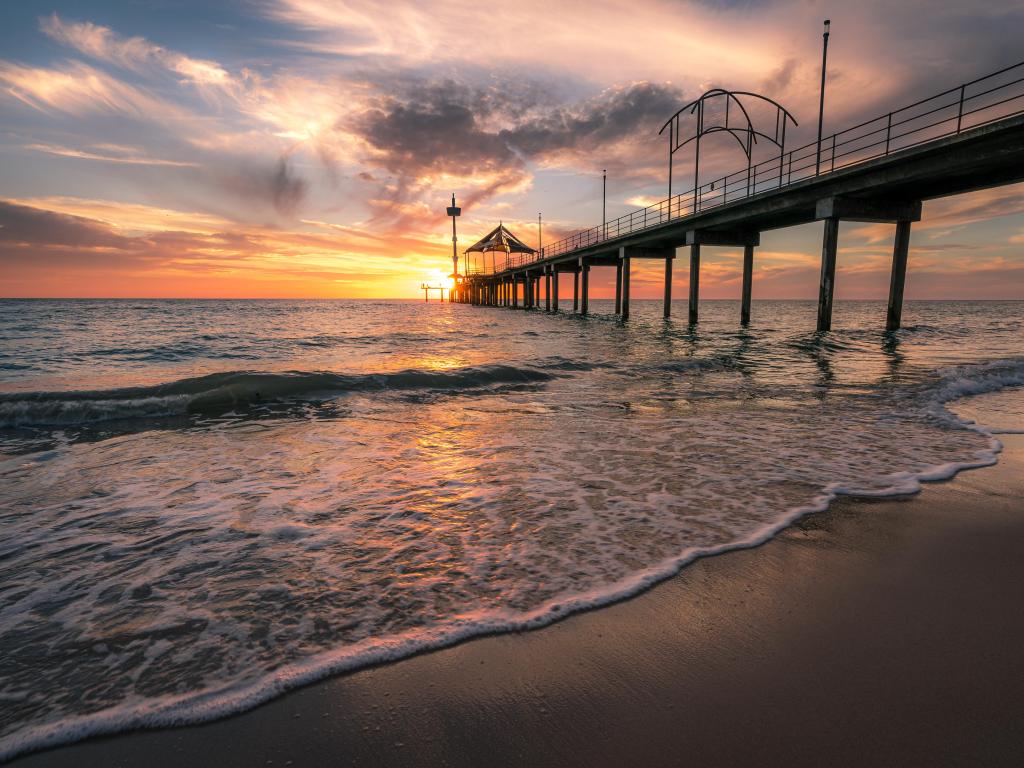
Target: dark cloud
{"points": [[449, 127], [434, 134], [286, 190], [275, 184], [619, 115], [29, 236], [492, 133], [24, 225]]}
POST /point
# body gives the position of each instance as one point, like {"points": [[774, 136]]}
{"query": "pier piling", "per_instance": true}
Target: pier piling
{"points": [[901, 248], [547, 288], [576, 291], [694, 281], [748, 279], [585, 297], [554, 286], [826, 288], [667, 310], [624, 261], [618, 287]]}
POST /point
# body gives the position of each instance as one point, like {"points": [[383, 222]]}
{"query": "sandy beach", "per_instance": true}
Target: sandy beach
{"points": [[877, 633]]}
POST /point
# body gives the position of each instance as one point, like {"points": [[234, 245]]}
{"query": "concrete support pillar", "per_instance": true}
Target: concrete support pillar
{"points": [[547, 288], [900, 250], [694, 281], [624, 261], [515, 292], [618, 287], [585, 288], [826, 289], [667, 310], [576, 291], [554, 288], [748, 278]]}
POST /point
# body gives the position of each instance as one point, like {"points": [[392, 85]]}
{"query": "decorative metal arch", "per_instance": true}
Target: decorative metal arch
{"points": [[745, 133]]}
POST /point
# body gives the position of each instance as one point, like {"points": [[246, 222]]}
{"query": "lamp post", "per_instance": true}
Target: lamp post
{"points": [[540, 237], [821, 103], [604, 203], [454, 211]]}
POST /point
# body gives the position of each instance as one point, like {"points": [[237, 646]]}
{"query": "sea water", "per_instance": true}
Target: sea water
{"points": [[204, 503]]}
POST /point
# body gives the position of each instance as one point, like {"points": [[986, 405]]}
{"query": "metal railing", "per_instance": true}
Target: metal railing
{"points": [[987, 99]]}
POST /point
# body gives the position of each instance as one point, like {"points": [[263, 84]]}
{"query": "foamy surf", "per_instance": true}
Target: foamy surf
{"points": [[215, 704]]}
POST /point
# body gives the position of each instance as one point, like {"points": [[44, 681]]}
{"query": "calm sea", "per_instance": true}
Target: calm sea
{"points": [[204, 503]]}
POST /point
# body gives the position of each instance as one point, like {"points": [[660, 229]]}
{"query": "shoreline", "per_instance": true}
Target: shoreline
{"points": [[459, 704]]}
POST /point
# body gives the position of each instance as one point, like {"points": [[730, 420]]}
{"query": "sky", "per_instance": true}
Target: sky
{"points": [[308, 148]]}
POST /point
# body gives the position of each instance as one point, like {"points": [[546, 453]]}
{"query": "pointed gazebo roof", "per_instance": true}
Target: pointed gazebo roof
{"points": [[500, 239]]}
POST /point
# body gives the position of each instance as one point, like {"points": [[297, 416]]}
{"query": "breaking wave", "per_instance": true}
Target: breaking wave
{"points": [[238, 388]]}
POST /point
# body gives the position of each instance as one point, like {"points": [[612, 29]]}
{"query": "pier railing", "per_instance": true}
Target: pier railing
{"points": [[987, 99]]}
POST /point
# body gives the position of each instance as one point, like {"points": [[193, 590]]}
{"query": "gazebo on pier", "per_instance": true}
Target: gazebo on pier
{"points": [[480, 285], [498, 240]]}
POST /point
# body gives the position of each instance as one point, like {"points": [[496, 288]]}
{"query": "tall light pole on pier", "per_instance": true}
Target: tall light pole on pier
{"points": [[821, 103], [454, 211], [540, 235], [604, 202]]}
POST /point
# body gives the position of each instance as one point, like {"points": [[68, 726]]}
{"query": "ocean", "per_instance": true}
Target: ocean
{"points": [[206, 503]]}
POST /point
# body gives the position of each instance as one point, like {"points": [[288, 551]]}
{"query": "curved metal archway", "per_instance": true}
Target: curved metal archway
{"points": [[745, 133]]}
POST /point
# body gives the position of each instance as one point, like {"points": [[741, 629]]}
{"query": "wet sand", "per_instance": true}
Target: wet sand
{"points": [[877, 633]]}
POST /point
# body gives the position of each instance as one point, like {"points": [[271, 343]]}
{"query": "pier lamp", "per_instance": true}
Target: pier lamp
{"points": [[604, 202], [821, 103], [454, 211]]}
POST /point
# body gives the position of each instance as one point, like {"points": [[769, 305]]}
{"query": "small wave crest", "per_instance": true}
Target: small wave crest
{"points": [[225, 390]]}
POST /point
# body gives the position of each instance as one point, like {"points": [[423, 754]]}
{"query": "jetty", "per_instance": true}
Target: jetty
{"points": [[967, 138]]}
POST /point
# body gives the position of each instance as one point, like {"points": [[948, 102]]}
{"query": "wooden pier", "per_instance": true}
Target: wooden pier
{"points": [[968, 138]]}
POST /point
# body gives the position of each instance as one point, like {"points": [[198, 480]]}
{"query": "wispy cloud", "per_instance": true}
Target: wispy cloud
{"points": [[134, 53], [78, 89], [123, 155]]}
